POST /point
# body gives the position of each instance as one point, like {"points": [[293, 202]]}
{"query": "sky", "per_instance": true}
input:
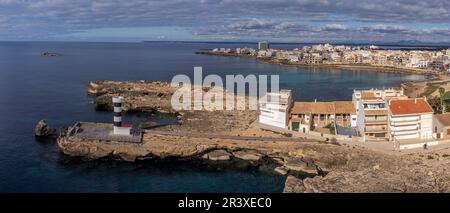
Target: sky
{"points": [[226, 20]]}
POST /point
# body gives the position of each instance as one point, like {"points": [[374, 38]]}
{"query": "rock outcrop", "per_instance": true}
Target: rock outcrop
{"points": [[42, 129], [181, 146], [249, 155], [217, 155], [367, 171], [155, 96], [301, 165]]}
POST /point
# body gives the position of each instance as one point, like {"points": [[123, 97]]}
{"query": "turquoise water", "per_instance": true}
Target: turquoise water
{"points": [[33, 87]]}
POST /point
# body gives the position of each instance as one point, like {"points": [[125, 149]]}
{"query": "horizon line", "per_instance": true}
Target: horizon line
{"points": [[401, 43]]}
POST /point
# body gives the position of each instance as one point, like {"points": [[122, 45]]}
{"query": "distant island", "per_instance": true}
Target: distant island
{"points": [[51, 54]]}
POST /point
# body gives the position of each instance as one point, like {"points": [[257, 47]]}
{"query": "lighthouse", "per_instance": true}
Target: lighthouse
{"points": [[119, 128]]}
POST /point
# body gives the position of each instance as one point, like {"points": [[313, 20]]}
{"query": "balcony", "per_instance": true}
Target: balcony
{"points": [[375, 121], [405, 128], [405, 133], [374, 129], [404, 123]]}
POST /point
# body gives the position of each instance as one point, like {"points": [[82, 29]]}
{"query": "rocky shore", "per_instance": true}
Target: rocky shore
{"points": [[366, 171], [159, 145], [139, 95], [310, 166], [155, 96]]}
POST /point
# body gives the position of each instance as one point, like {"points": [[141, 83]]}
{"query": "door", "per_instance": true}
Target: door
{"points": [[295, 126]]}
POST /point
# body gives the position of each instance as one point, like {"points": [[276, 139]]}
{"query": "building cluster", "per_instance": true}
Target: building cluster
{"points": [[438, 60], [372, 115]]}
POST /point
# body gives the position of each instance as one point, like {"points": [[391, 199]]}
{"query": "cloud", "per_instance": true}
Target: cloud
{"points": [[240, 19], [335, 27], [255, 28]]}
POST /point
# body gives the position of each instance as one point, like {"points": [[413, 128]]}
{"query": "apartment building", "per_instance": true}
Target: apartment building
{"points": [[410, 119], [372, 111], [263, 45], [306, 116], [312, 58], [275, 107]]}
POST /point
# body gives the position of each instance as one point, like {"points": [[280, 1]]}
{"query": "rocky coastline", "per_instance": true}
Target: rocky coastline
{"points": [[221, 137], [184, 146]]}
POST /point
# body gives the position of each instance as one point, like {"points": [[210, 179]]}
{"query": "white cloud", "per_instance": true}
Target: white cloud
{"points": [[227, 18]]}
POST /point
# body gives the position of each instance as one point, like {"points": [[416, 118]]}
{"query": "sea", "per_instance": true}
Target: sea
{"points": [[35, 87]]}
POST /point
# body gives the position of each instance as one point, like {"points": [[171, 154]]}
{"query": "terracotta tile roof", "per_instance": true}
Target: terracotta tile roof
{"points": [[338, 107], [344, 107], [444, 119], [409, 106], [368, 96]]}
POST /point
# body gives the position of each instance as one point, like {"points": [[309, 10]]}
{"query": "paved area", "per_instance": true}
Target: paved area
{"points": [[104, 132], [229, 137], [380, 146]]}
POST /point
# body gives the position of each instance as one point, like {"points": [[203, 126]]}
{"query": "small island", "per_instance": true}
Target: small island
{"points": [[51, 54]]}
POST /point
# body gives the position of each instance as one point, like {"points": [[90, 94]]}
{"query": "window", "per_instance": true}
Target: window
{"points": [[322, 117]]}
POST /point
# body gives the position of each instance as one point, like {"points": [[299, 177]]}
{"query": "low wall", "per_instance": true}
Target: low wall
{"points": [[417, 145]]}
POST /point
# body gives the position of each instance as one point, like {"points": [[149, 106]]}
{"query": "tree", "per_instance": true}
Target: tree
{"points": [[435, 103], [442, 93]]}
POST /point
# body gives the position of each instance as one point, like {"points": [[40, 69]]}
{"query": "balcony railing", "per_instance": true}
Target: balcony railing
{"points": [[376, 129]]}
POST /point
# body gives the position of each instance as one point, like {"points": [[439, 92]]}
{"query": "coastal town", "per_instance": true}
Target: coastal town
{"points": [[380, 129], [420, 61], [407, 121]]}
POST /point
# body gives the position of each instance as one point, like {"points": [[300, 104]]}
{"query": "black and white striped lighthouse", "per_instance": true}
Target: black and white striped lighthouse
{"points": [[117, 103]]}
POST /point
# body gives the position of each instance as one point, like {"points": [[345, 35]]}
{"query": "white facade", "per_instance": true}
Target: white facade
{"points": [[122, 130], [274, 109], [354, 120], [263, 45], [419, 126]]}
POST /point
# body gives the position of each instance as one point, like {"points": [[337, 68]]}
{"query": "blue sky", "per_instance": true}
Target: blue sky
{"points": [[226, 20]]}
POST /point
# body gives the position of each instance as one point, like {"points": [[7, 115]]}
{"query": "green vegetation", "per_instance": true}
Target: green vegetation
{"points": [[331, 127], [438, 102], [446, 96], [430, 89], [435, 103]]}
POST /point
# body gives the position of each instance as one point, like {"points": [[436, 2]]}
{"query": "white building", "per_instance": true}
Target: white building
{"points": [[410, 119], [264, 53], [371, 107], [275, 107], [263, 45]]}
